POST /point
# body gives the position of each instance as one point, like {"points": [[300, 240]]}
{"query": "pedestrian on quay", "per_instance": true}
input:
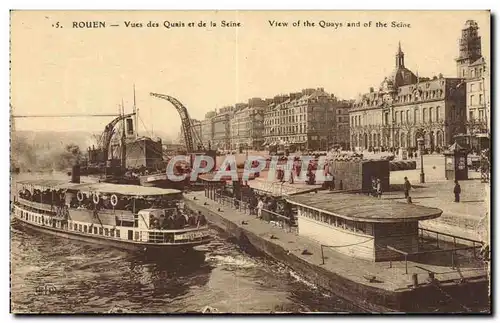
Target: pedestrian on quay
{"points": [[457, 190], [407, 187], [260, 206], [379, 188], [374, 187], [332, 183]]}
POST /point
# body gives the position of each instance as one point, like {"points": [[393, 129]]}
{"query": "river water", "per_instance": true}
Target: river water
{"points": [[54, 275]]}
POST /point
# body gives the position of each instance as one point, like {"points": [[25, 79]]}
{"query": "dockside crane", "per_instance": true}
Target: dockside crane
{"points": [[191, 137], [108, 132]]}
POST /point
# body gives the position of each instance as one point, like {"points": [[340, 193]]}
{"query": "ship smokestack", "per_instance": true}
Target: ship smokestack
{"points": [[75, 173]]}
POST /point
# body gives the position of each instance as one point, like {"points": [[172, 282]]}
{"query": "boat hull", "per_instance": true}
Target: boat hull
{"points": [[121, 244]]}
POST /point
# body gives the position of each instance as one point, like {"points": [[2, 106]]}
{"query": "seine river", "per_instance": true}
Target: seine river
{"points": [[53, 275]]}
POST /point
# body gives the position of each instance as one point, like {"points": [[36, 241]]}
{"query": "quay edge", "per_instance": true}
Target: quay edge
{"points": [[369, 298]]}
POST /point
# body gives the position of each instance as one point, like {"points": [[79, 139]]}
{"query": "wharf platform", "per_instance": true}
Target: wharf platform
{"points": [[372, 286], [278, 188]]}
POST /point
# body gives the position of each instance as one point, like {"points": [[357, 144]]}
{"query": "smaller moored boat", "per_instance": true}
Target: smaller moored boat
{"points": [[124, 216]]}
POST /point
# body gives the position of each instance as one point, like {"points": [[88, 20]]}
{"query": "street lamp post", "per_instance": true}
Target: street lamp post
{"points": [[420, 146]]}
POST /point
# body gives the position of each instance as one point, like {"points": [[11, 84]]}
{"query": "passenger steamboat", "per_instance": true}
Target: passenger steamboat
{"points": [[148, 219]]}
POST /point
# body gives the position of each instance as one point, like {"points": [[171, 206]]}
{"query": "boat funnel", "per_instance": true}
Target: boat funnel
{"points": [[75, 174]]}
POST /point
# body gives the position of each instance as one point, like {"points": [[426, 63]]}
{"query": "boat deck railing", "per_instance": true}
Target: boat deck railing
{"points": [[37, 205], [172, 236], [461, 253]]}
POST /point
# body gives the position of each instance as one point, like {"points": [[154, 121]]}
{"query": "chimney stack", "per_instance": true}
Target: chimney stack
{"points": [[75, 173]]}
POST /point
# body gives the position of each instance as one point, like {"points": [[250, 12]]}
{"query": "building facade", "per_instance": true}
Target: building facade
{"points": [[305, 120], [222, 129], [406, 108], [472, 66], [238, 126], [247, 125], [207, 129], [342, 124]]}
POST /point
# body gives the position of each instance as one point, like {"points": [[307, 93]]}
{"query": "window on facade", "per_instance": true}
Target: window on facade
{"points": [[430, 114], [438, 113], [480, 99], [471, 115], [415, 115], [471, 99], [480, 86], [481, 114], [424, 114], [407, 115], [472, 87]]}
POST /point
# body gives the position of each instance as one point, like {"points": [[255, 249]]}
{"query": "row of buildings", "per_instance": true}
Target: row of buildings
{"points": [[309, 119], [404, 108]]}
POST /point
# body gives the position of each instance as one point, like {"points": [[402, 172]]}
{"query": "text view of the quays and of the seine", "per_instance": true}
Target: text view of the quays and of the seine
{"points": [[250, 162]]}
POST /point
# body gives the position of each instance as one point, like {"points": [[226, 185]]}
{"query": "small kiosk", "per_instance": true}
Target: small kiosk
{"points": [[361, 226], [456, 167], [212, 186]]}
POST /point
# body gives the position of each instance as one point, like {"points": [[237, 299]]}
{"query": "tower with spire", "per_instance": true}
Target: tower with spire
{"points": [[469, 50], [400, 57], [401, 75]]}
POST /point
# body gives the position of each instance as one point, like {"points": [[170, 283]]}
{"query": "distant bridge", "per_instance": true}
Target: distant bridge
{"points": [[65, 115]]}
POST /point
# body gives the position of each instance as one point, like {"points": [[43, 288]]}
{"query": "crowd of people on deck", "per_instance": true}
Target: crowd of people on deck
{"points": [[136, 172], [58, 198], [177, 219], [128, 203], [48, 196]]}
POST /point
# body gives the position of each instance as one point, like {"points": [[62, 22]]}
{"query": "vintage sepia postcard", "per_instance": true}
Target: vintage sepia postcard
{"points": [[250, 162]]}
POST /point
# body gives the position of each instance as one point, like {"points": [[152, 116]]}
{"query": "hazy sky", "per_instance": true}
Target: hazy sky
{"points": [[90, 71]]}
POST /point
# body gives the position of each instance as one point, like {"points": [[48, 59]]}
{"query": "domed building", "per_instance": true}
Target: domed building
{"points": [[401, 75], [405, 108]]}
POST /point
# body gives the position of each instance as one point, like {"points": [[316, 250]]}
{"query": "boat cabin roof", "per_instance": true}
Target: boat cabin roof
{"points": [[362, 208], [43, 183], [131, 190]]}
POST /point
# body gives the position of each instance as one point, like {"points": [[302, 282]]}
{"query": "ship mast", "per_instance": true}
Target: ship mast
{"points": [[136, 117], [124, 153]]}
